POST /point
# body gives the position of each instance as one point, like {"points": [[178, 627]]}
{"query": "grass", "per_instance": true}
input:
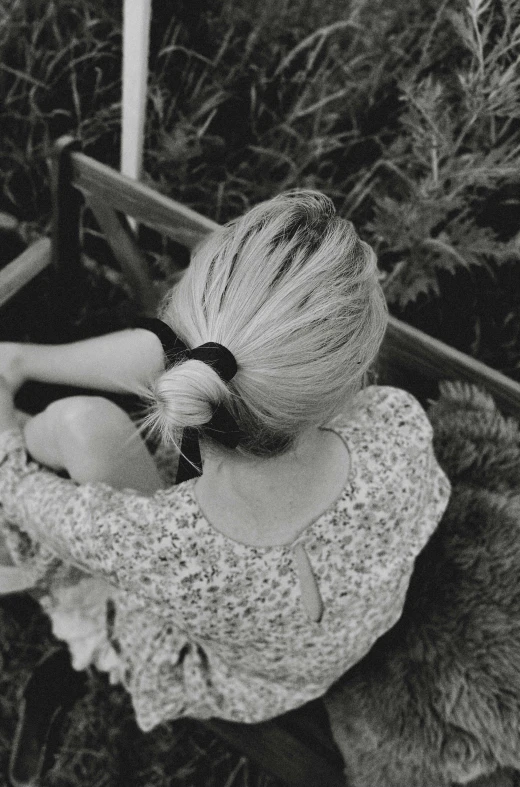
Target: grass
{"points": [[405, 114]]}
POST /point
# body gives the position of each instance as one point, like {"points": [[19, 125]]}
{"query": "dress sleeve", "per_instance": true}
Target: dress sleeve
{"points": [[405, 420], [420, 490], [92, 526], [411, 431], [439, 493]]}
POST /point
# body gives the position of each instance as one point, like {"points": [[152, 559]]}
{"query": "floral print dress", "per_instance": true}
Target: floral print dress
{"points": [[194, 623]]}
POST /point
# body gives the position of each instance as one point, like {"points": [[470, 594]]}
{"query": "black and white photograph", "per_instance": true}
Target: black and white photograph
{"points": [[259, 393]]}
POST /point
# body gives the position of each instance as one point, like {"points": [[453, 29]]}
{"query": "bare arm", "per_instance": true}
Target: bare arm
{"points": [[122, 362]]}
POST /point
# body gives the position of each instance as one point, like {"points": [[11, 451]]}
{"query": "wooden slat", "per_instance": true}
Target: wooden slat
{"points": [[404, 344], [23, 268], [129, 256], [136, 47], [280, 753], [409, 347], [134, 199]]}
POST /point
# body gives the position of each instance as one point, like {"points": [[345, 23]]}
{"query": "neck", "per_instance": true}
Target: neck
{"points": [[245, 475], [266, 502]]}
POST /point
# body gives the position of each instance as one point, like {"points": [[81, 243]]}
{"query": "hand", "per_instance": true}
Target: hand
{"points": [[11, 366]]}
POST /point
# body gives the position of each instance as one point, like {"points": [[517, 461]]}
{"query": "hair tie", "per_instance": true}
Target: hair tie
{"points": [[222, 427], [218, 357]]}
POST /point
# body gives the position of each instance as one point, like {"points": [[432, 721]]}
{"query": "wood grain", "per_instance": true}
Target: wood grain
{"points": [[409, 348], [23, 268], [126, 251], [143, 203]]}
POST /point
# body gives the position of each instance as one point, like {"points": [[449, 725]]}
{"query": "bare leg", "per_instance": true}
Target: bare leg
{"points": [[93, 440]]}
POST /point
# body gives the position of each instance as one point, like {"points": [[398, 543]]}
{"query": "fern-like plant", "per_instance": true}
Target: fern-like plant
{"points": [[459, 143]]}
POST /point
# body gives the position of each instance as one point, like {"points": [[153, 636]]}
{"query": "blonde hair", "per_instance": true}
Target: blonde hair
{"points": [[293, 293]]}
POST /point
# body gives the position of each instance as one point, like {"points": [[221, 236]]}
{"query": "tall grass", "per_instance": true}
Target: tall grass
{"points": [[263, 106], [406, 114], [59, 72]]}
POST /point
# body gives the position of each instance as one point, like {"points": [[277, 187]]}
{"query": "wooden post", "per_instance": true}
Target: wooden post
{"points": [[136, 37], [66, 207], [66, 239]]}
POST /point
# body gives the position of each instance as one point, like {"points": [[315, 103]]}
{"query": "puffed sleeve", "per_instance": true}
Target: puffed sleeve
{"points": [[92, 526], [411, 429], [407, 423], [420, 490]]}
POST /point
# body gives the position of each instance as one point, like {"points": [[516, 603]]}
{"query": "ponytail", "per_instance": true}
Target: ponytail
{"points": [[184, 395]]}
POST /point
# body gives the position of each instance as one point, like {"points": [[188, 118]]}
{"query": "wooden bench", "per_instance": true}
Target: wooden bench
{"points": [[297, 747]]}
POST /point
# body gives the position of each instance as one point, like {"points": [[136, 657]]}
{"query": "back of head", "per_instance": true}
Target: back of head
{"points": [[292, 292]]}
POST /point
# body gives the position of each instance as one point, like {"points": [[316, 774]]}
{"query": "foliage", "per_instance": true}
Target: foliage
{"points": [[406, 114], [459, 144], [59, 73]]}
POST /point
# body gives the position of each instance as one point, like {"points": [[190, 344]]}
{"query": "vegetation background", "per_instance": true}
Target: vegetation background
{"points": [[407, 114]]}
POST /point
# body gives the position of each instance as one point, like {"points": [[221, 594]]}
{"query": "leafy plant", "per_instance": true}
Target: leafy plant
{"points": [[406, 114], [459, 143]]}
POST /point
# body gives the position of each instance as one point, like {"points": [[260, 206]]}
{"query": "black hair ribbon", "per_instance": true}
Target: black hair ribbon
{"points": [[222, 427]]}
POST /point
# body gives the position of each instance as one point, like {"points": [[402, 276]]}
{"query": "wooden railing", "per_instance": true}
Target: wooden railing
{"points": [[21, 270], [112, 197], [293, 747]]}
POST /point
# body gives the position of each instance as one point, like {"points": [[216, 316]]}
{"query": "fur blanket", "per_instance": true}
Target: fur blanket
{"points": [[437, 699]]}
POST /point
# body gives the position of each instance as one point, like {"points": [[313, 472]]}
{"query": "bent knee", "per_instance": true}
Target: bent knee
{"points": [[86, 418]]}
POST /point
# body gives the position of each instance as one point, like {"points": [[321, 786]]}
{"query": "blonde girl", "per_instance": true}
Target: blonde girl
{"points": [[247, 590]]}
